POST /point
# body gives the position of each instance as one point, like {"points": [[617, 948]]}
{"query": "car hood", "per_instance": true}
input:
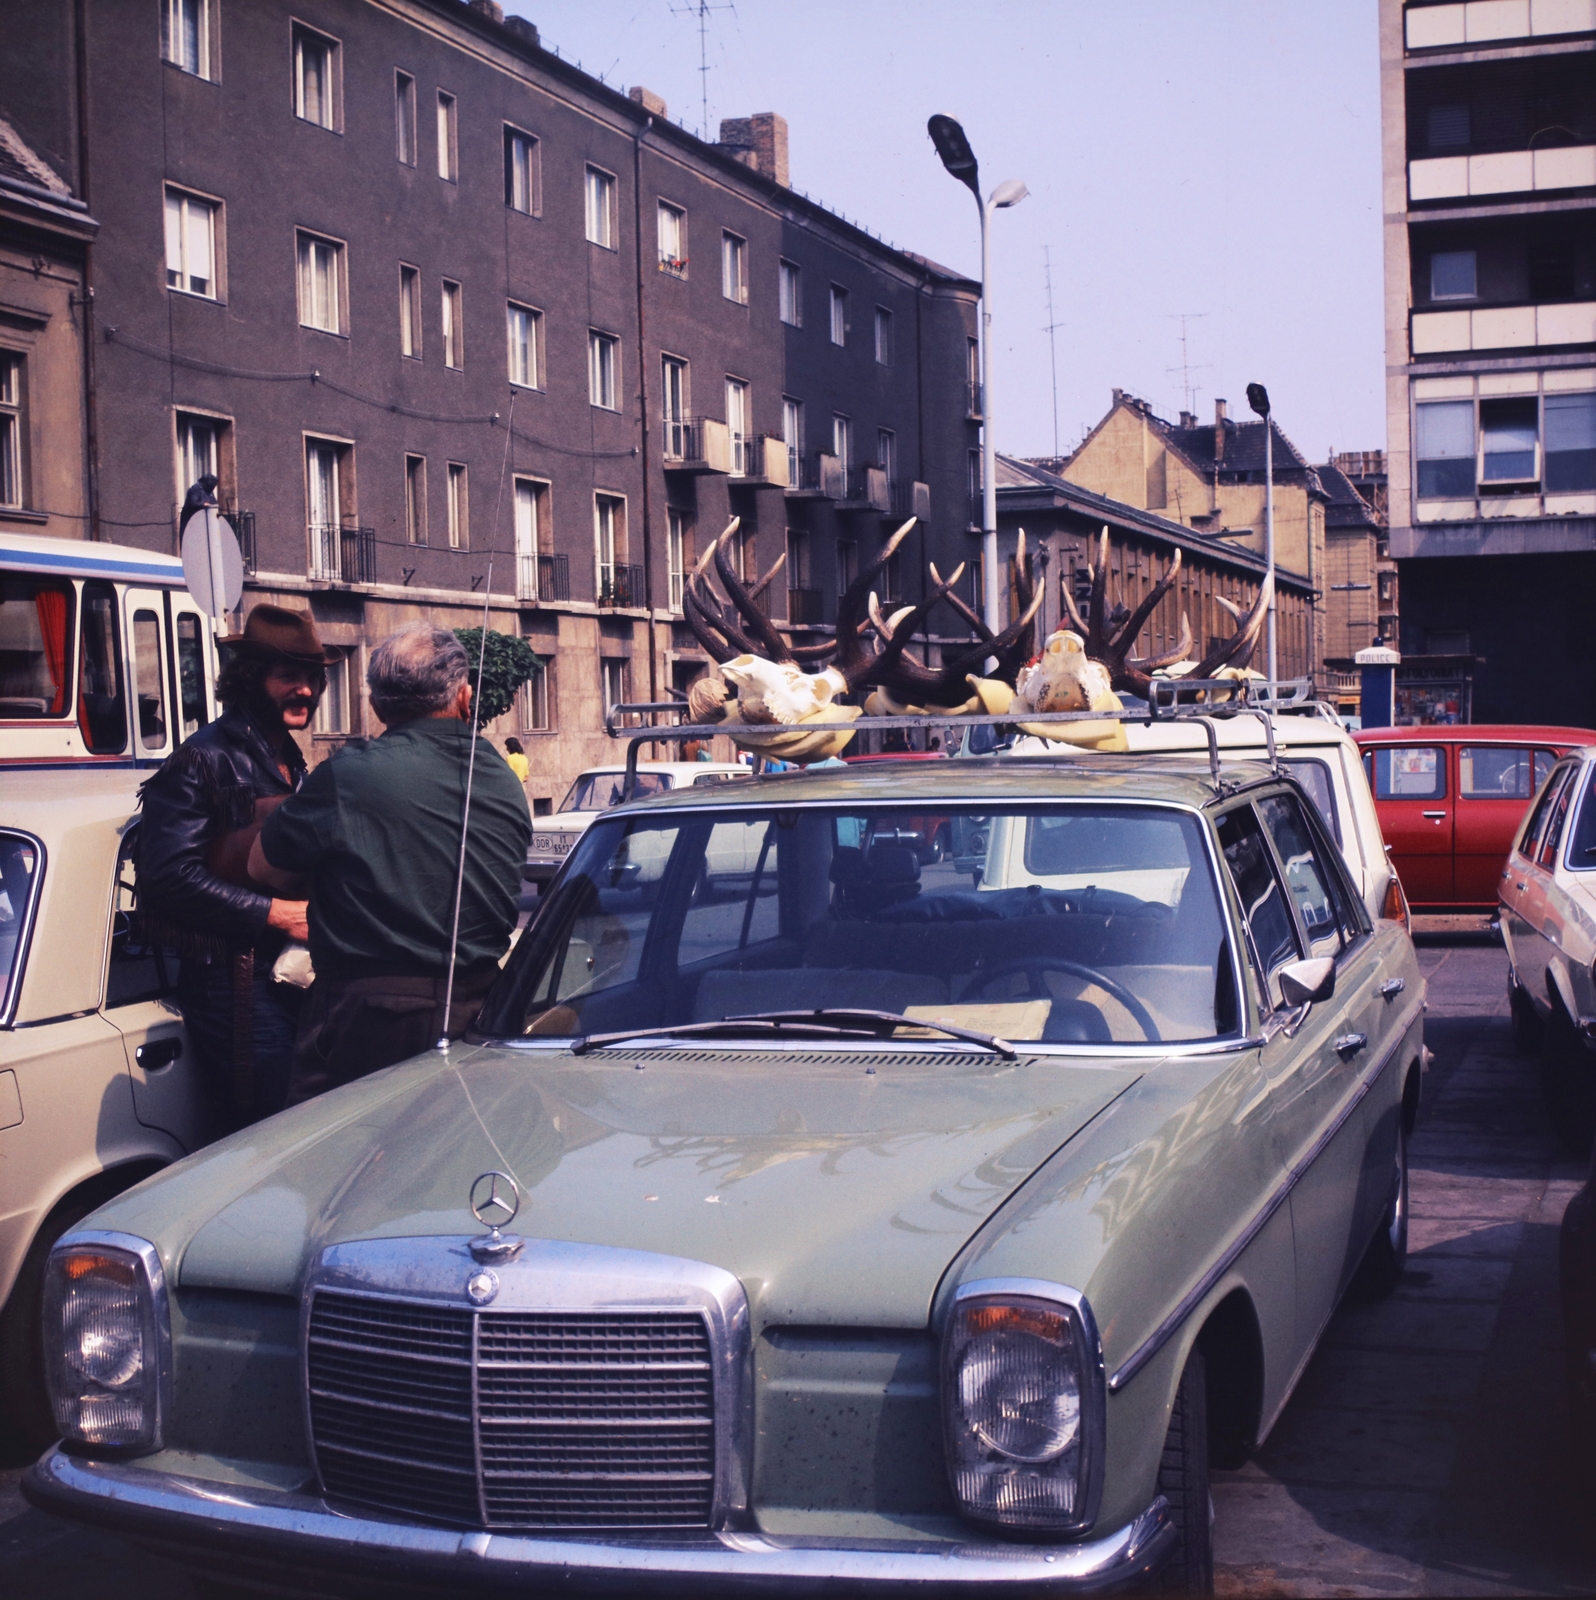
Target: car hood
{"points": [[836, 1186]]}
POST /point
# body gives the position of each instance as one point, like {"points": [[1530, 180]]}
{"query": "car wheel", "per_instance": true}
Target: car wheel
{"points": [[1527, 1029], [1183, 1482], [27, 1424], [1568, 1083], [1383, 1262]]}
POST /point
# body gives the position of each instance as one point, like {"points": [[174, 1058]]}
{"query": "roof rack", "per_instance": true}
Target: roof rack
{"points": [[1246, 698]]}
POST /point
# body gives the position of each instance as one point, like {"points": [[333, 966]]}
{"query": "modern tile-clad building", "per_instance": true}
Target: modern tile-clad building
{"points": [[1490, 250], [419, 291]]}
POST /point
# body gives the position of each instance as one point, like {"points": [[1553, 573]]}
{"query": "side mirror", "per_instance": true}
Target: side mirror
{"points": [[1304, 982]]}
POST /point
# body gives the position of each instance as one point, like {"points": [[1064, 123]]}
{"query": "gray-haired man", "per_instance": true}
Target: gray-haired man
{"points": [[375, 835]]}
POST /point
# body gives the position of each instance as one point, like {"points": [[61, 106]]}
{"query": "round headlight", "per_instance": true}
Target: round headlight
{"points": [[1020, 1394], [103, 1331]]}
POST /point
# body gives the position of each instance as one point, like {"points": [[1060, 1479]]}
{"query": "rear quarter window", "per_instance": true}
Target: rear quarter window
{"points": [[1407, 772]]}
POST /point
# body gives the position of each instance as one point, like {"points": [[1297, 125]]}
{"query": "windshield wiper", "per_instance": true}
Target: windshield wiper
{"points": [[823, 1023]]}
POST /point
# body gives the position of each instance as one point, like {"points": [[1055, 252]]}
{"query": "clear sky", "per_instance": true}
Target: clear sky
{"points": [[1183, 156]]}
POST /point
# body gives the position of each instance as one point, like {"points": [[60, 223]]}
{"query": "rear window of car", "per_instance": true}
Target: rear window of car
{"points": [[598, 791], [1407, 772], [1501, 772]]}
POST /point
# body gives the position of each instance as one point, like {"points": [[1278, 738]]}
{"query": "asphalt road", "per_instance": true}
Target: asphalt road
{"points": [[1428, 1449]]}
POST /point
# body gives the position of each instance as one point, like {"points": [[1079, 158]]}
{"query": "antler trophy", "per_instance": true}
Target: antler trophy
{"points": [[1075, 671]]}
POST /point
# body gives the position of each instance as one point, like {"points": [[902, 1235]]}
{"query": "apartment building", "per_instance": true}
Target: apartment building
{"points": [[1489, 137], [425, 297]]}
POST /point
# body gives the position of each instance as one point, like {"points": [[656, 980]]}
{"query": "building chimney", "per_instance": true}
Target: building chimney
{"points": [[1188, 419], [527, 31], [760, 142], [490, 9], [647, 99], [1220, 422]]}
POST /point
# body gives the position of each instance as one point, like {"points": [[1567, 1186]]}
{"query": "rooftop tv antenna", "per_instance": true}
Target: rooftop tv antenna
{"points": [[1051, 330], [1185, 369], [701, 9]]}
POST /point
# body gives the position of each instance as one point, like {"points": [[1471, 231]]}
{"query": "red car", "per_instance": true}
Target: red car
{"points": [[1450, 798]]}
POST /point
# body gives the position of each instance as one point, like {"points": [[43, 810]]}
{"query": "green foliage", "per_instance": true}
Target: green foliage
{"points": [[508, 664]]}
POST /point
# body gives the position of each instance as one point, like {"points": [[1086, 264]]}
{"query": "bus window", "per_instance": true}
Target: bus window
{"points": [[102, 702], [190, 672], [35, 633], [149, 679]]}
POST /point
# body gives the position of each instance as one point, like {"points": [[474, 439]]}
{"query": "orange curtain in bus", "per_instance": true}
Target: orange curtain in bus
{"points": [[51, 605]]}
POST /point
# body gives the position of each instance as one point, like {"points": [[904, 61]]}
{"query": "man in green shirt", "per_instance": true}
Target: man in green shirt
{"points": [[374, 834]]}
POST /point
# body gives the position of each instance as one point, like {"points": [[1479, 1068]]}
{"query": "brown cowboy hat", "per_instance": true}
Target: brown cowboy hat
{"points": [[278, 633]]}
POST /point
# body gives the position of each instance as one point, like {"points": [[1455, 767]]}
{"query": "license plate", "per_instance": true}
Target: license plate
{"points": [[550, 844]]}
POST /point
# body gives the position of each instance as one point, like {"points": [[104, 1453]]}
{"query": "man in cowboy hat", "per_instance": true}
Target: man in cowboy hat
{"points": [[202, 810]]}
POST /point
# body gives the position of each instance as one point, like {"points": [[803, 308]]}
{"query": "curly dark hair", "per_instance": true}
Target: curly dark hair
{"points": [[242, 679]]}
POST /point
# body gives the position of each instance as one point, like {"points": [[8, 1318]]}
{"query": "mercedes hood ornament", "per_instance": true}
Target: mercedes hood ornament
{"points": [[495, 1201]]}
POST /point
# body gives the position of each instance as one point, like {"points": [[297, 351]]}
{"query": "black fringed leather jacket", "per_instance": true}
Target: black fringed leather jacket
{"points": [[206, 788]]}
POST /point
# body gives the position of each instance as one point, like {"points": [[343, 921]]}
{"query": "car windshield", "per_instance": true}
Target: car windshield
{"points": [[598, 791], [1064, 923]]}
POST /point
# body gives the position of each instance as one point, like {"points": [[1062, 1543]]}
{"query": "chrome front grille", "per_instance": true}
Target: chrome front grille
{"points": [[512, 1419]]}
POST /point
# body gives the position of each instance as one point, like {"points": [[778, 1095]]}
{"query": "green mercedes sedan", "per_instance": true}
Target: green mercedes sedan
{"points": [[803, 1216]]}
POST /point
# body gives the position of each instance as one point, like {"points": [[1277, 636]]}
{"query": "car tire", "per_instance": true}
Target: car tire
{"points": [[1183, 1482], [1384, 1261], [1527, 1026], [1568, 1083], [27, 1424]]}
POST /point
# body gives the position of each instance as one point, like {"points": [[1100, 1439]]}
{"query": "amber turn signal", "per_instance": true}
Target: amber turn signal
{"points": [[1395, 908]]}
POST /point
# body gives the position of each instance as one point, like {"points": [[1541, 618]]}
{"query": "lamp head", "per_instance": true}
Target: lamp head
{"points": [[1258, 398], [1009, 193], [954, 148]]}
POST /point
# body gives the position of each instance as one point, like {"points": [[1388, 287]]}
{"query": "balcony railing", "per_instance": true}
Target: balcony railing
{"points": [[1504, 327], [868, 488], [805, 608], [542, 577], [767, 461], [910, 499], [673, 266], [620, 586], [701, 446], [342, 555], [819, 474], [1502, 172], [243, 525]]}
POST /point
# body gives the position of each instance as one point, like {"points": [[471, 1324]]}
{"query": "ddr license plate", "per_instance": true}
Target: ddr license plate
{"points": [[550, 844]]}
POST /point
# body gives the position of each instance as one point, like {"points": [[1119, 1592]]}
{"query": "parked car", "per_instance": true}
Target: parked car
{"points": [[1547, 895], [97, 1086], [1010, 1210], [1451, 798], [598, 790]]}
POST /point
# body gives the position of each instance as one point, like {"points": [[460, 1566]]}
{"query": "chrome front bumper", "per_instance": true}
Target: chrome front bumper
{"points": [[270, 1534]]}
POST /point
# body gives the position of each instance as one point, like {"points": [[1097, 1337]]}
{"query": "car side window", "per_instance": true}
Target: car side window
{"points": [[141, 966], [1314, 776], [1556, 816], [1407, 771], [1581, 852], [19, 883], [1495, 772], [1529, 841], [1311, 884], [1272, 930]]}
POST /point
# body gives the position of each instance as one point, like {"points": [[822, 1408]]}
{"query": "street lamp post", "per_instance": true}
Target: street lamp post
{"points": [[954, 148], [1258, 399]]}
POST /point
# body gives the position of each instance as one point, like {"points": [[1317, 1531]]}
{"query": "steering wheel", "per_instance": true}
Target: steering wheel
{"points": [[1034, 966]]}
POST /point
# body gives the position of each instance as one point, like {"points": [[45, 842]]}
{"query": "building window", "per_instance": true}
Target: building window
{"points": [[328, 487], [12, 420], [1447, 127], [333, 710], [792, 433], [883, 336], [973, 378], [737, 414], [1452, 275], [600, 208], [321, 282], [524, 325], [453, 325], [609, 544], [199, 451], [534, 699], [410, 312], [404, 117], [1445, 449], [847, 563], [678, 552], [186, 35], [673, 398], [531, 539], [603, 357], [1510, 441], [459, 508], [522, 172], [190, 244], [672, 229], [734, 268], [839, 315], [416, 499], [789, 289], [887, 453], [615, 675], [1387, 588], [842, 440], [315, 78], [1570, 443], [448, 162]]}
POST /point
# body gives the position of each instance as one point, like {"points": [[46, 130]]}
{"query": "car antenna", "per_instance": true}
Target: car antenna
{"points": [[471, 761]]}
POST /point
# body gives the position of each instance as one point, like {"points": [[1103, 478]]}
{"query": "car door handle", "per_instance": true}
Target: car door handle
{"points": [[1349, 1044], [159, 1053], [1392, 987], [1434, 816], [1518, 884]]}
